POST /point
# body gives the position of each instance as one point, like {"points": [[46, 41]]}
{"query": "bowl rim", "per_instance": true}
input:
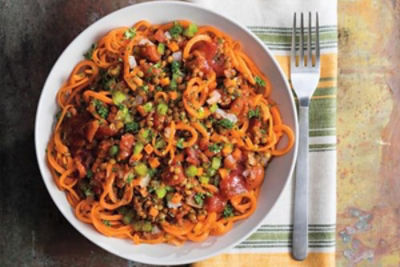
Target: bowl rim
{"points": [[42, 162]]}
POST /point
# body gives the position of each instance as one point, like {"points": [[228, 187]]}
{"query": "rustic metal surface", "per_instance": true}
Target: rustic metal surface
{"points": [[34, 33]]}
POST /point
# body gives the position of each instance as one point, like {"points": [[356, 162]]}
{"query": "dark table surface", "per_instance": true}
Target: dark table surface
{"points": [[33, 34]]}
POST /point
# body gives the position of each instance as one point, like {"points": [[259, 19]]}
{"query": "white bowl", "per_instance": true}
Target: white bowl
{"points": [[277, 174]]}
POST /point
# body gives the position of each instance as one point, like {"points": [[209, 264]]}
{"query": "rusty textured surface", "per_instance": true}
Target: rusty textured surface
{"points": [[34, 33], [368, 136]]}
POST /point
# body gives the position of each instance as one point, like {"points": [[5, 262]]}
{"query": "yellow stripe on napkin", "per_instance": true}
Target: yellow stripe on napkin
{"points": [[268, 259]]}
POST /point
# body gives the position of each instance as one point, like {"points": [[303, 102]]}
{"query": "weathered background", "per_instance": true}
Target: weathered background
{"points": [[34, 233]]}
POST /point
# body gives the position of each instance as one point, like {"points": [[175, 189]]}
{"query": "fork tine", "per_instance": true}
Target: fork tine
{"points": [[309, 57], [317, 60], [293, 52], [301, 62]]}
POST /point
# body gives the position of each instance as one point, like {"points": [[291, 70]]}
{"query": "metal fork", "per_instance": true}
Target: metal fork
{"points": [[304, 77]]}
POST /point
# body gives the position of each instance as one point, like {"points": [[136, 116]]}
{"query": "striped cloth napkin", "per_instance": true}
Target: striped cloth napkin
{"points": [[271, 21]]}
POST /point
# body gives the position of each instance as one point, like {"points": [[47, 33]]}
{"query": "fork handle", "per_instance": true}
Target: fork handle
{"points": [[300, 228]]}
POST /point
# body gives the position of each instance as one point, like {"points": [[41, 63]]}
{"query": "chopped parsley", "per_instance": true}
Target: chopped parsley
{"points": [[107, 223], [228, 211], [226, 123], [179, 144], [176, 30], [254, 113], [89, 174], [89, 54], [199, 198], [130, 33], [101, 109], [129, 179], [145, 88], [259, 81], [215, 148], [132, 127]]}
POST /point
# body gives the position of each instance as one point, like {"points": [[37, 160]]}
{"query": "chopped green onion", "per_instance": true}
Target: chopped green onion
{"points": [[138, 148], [211, 172], [179, 144], [113, 150], [130, 33], [162, 109], [216, 163], [148, 106], [204, 180], [141, 169], [145, 135], [213, 108], [161, 48], [259, 81], [118, 97], [161, 192], [190, 30], [106, 222], [191, 171]]}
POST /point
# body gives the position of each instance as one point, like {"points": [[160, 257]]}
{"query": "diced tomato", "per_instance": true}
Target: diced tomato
{"points": [[150, 52], [255, 177], [234, 184], [174, 175], [216, 203], [203, 144], [191, 156], [237, 106], [230, 162], [105, 131], [159, 36], [125, 146], [209, 49]]}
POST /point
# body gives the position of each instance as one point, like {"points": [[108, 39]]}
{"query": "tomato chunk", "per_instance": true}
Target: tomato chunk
{"points": [[255, 177], [125, 146], [159, 36], [216, 203], [233, 185], [150, 52]]}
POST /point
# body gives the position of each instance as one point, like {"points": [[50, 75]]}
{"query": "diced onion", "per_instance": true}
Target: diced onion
{"points": [[155, 230], [177, 56], [144, 181], [246, 173], [167, 35], [145, 41], [215, 96], [172, 205], [228, 116], [167, 132], [132, 62]]}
